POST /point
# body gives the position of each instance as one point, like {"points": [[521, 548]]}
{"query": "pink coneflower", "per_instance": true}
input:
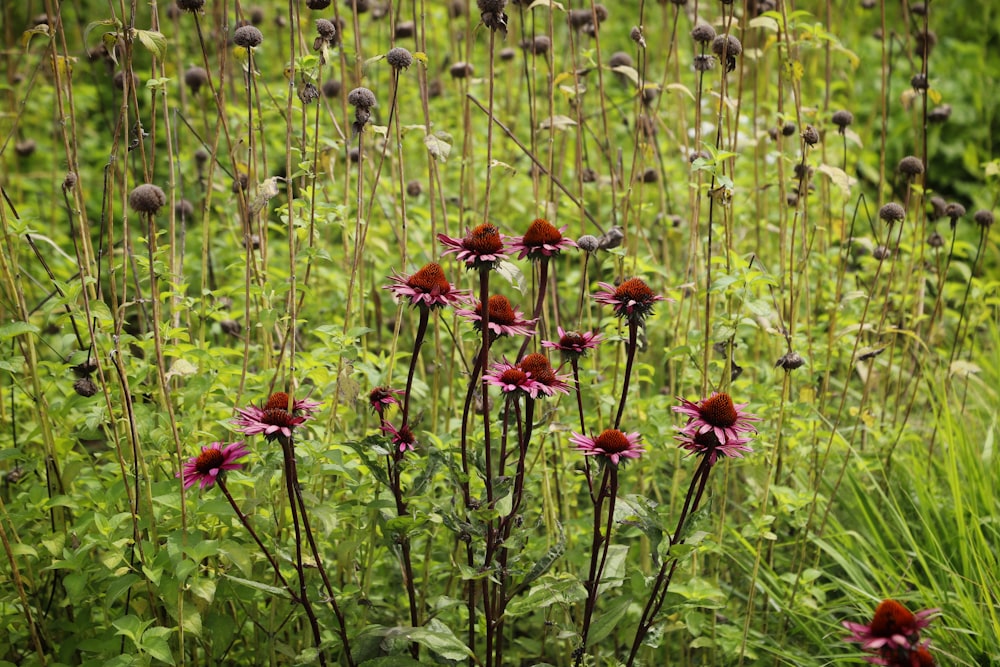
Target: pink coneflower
{"points": [[893, 634], [716, 414], [504, 319], [427, 287], [483, 246], [632, 299], [274, 419], [541, 240], [214, 458], [708, 444], [511, 379], [573, 345], [611, 444], [380, 398], [538, 368], [402, 438]]}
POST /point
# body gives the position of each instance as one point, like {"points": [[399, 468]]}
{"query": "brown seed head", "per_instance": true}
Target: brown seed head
{"points": [[146, 198]]}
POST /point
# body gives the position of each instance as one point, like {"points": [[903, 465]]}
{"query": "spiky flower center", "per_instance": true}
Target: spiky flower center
{"points": [[572, 340], [501, 312], [612, 441], [707, 440], [278, 417], [379, 397], [209, 460], [278, 399], [892, 618], [514, 376], [635, 290], [484, 240], [542, 232], [429, 279], [538, 366], [718, 410]]}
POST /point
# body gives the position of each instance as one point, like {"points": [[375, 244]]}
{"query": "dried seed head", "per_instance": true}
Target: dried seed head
{"points": [[810, 135], [361, 98], [540, 45], [636, 36], [727, 45], [195, 78], [308, 93], [69, 181], [230, 328], [184, 210], [588, 243], [405, 29], [414, 188], [938, 206], [891, 212], [191, 5], [699, 155], [650, 175], [85, 387], [925, 43], [788, 129], [983, 217], [248, 37], [954, 210], [317, 4], [703, 33], [842, 119], [588, 175], [881, 252], [939, 114], [256, 15], [240, 183], [507, 53], [918, 8], [331, 88], [910, 166], [146, 198], [25, 148], [461, 70], [118, 80], [919, 82], [935, 240], [326, 29], [201, 157], [358, 6], [790, 361], [703, 62], [456, 8], [611, 239], [620, 59], [399, 58]]}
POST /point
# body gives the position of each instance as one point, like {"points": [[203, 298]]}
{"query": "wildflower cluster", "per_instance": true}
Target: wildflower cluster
{"points": [[893, 636]]}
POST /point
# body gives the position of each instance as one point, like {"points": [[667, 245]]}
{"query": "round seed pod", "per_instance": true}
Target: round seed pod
{"points": [[191, 5], [810, 135], [910, 166], [650, 175], [938, 207], [935, 240], [317, 4], [25, 148], [201, 157], [240, 183], [611, 238], [461, 70], [620, 59], [399, 58], [118, 80], [146, 198], [704, 62], [507, 54], [361, 98], [184, 210], [332, 88], [588, 175], [881, 252], [703, 33], [69, 181], [588, 243], [891, 212], [727, 45], [248, 37], [405, 30], [919, 82], [788, 129], [256, 15], [326, 29], [790, 361], [939, 114], [842, 119], [414, 188], [85, 387], [954, 210], [195, 78], [983, 218], [540, 45]]}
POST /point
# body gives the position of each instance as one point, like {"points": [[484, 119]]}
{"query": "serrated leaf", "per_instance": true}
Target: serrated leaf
{"points": [[512, 274], [15, 329], [438, 146], [153, 41], [839, 177], [558, 122]]}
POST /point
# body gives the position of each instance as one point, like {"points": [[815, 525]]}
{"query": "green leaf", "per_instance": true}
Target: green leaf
{"points": [[614, 568], [438, 637], [545, 562], [438, 145], [391, 661], [14, 329], [607, 621], [154, 41], [273, 590], [512, 274]]}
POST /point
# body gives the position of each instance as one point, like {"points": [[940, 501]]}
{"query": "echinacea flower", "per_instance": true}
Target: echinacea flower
{"points": [[380, 398], [427, 288], [402, 438], [213, 460], [275, 420], [538, 368], [504, 319], [573, 345], [482, 247], [541, 240], [511, 380], [708, 444], [612, 444], [894, 635], [632, 300], [716, 414]]}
